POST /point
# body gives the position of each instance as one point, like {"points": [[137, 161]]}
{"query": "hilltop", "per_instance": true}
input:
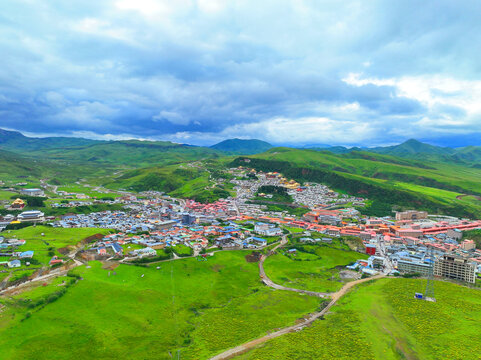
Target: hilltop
{"points": [[388, 181], [414, 149], [241, 146], [16, 141]]}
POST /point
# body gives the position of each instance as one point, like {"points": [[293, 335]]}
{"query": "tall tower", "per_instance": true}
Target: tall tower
{"points": [[429, 294]]}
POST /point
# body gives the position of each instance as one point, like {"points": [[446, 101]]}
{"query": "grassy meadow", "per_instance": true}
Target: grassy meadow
{"points": [[382, 320], [46, 246], [314, 267], [195, 308]]}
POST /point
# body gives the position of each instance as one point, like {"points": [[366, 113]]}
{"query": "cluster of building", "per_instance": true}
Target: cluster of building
{"points": [[196, 237]]}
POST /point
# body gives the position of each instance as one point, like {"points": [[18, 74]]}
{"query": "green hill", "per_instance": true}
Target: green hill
{"points": [[390, 182], [414, 149], [20, 168], [15, 141], [241, 146], [178, 180], [130, 153]]}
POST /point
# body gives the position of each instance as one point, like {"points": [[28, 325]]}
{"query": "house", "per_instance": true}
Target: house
{"points": [[55, 260], [468, 245], [26, 254], [455, 234], [117, 248], [14, 264], [259, 242], [267, 229], [148, 251]]}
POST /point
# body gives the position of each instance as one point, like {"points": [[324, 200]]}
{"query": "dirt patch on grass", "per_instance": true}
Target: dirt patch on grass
{"points": [[217, 267], [253, 257], [347, 274], [92, 239], [109, 265], [65, 250]]}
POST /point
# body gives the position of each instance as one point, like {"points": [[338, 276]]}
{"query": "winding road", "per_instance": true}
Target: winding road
{"points": [[294, 328]]}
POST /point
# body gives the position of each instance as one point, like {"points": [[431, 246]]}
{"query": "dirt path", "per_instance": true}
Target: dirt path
{"points": [[267, 281], [459, 197], [307, 321]]}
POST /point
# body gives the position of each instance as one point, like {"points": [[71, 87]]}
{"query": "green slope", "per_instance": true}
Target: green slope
{"points": [[15, 141], [147, 313], [184, 181], [19, 168], [241, 146], [382, 178], [132, 153], [381, 320]]}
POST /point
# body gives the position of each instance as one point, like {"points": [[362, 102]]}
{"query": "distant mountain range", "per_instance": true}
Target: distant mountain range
{"points": [[414, 149], [240, 146], [409, 175], [134, 151], [16, 141]]}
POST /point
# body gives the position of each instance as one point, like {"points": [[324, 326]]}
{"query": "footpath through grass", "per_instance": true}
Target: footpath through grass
{"points": [[47, 245], [197, 308], [382, 320], [313, 267]]}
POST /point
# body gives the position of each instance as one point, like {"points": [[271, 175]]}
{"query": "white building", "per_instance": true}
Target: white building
{"points": [[32, 192], [32, 215]]}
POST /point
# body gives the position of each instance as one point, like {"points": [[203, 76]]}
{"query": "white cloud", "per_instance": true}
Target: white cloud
{"points": [[172, 117]]}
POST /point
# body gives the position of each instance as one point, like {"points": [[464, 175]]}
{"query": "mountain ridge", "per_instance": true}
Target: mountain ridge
{"points": [[242, 146]]}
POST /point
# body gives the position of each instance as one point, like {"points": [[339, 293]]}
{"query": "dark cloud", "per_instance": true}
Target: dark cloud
{"points": [[205, 70]]}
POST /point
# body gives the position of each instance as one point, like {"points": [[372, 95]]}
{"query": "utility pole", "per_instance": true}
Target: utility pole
{"points": [[429, 294]]}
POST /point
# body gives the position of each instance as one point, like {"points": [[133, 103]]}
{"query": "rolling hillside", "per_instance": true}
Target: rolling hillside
{"points": [[17, 142], [133, 153], [414, 149], [19, 168], [242, 147], [388, 181], [182, 181]]}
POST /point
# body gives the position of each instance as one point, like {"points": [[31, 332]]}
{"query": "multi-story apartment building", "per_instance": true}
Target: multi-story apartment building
{"points": [[455, 267]]}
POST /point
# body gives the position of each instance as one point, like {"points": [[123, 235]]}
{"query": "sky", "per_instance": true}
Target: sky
{"points": [[294, 72]]}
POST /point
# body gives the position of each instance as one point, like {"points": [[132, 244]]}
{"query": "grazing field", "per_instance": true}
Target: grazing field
{"points": [[7, 195], [382, 320], [314, 267], [80, 189], [182, 250], [187, 307], [46, 246]]}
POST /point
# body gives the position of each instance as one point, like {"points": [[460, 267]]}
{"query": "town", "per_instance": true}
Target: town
{"points": [[153, 227]]}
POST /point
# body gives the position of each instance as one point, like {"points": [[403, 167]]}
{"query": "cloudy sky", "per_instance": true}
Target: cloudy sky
{"points": [[289, 72]]}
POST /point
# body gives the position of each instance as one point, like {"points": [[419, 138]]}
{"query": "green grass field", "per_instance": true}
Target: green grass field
{"points": [[55, 238], [196, 308], [182, 250], [383, 321], [314, 269], [7, 195], [86, 190]]}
